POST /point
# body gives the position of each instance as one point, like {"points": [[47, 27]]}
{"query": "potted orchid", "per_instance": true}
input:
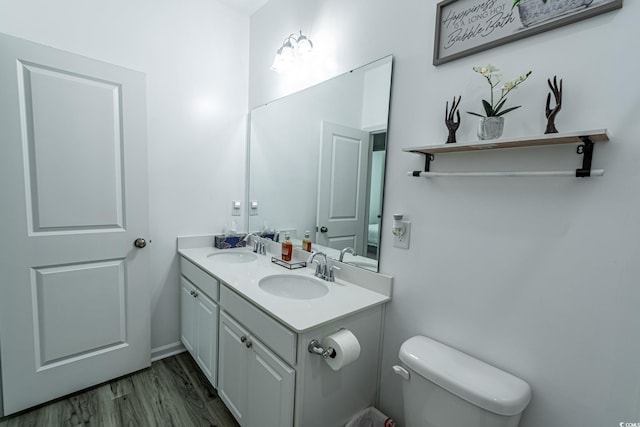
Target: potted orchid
{"points": [[492, 122]]}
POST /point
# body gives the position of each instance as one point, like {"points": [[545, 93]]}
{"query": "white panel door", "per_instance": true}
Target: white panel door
{"points": [[74, 299], [342, 187]]}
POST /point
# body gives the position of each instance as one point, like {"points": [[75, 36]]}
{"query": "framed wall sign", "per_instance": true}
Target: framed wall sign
{"points": [[464, 27]]}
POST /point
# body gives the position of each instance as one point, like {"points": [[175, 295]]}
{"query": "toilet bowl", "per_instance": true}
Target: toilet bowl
{"points": [[444, 387]]}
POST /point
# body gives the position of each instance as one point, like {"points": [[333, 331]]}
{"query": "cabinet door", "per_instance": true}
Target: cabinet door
{"points": [[270, 390], [207, 336], [234, 356], [187, 314]]}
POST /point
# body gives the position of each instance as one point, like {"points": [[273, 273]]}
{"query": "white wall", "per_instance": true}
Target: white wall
{"points": [[194, 53], [536, 276]]}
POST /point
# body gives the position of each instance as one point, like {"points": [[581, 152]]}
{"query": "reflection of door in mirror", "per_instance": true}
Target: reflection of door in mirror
{"points": [[350, 186], [342, 187]]}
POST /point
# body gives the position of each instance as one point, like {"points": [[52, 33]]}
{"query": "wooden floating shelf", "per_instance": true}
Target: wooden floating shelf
{"points": [[586, 139], [599, 135]]}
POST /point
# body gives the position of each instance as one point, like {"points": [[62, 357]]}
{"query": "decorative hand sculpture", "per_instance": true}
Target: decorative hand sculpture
{"points": [[452, 125], [551, 113]]}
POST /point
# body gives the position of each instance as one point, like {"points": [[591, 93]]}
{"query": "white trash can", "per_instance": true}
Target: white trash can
{"points": [[370, 417]]}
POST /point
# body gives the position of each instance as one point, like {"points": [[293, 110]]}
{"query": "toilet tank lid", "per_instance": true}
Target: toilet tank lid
{"points": [[468, 378]]}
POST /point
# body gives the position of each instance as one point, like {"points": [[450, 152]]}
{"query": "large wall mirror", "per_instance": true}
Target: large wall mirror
{"points": [[317, 161]]}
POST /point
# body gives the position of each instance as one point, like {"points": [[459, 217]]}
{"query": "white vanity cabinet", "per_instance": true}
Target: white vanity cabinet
{"points": [[268, 378], [255, 384], [199, 313], [265, 373]]}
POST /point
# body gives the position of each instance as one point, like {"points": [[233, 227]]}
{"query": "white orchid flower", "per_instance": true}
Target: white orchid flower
{"points": [[493, 77]]}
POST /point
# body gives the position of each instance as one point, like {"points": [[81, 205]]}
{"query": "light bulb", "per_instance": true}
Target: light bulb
{"points": [[280, 62], [304, 45]]}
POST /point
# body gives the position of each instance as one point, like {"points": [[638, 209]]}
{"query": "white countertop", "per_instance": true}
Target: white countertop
{"points": [[343, 299]]}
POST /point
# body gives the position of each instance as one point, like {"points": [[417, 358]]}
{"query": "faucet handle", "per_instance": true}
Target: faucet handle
{"points": [[331, 275], [318, 267]]}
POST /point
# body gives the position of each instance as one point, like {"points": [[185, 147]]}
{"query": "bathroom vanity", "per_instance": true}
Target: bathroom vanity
{"points": [[248, 323]]}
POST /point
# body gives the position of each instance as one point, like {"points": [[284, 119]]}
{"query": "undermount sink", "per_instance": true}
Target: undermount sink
{"points": [[293, 286], [233, 257]]}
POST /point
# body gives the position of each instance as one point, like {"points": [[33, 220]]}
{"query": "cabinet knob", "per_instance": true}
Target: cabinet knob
{"points": [[248, 344], [243, 338]]}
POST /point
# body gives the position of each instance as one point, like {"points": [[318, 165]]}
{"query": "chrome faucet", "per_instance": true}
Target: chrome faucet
{"points": [[258, 244], [323, 270], [348, 249]]}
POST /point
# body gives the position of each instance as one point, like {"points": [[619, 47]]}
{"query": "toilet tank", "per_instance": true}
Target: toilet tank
{"points": [[448, 388]]}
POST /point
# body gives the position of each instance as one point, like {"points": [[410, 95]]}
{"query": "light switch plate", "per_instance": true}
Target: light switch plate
{"points": [[253, 207], [402, 242], [235, 207]]}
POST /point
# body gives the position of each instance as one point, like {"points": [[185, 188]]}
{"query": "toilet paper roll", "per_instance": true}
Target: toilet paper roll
{"points": [[346, 346]]}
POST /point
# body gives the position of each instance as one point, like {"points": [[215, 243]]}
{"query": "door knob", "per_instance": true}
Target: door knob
{"points": [[140, 243], [323, 229]]}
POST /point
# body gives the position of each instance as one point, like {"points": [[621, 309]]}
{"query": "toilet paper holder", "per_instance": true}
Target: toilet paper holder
{"points": [[316, 348]]}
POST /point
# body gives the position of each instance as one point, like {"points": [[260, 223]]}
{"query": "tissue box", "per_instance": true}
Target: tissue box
{"points": [[222, 241], [269, 235]]}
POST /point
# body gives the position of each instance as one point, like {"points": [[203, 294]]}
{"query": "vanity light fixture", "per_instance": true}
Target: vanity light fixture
{"points": [[293, 47]]}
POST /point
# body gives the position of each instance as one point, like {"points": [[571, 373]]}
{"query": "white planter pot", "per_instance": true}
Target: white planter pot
{"points": [[490, 127]]}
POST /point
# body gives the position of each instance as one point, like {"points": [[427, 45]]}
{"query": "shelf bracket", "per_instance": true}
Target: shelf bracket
{"points": [[586, 150], [427, 163]]}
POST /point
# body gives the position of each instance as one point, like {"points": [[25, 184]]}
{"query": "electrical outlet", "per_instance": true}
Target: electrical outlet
{"points": [[402, 242]]}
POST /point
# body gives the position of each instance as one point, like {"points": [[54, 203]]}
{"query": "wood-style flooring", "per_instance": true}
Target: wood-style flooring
{"points": [[172, 392]]}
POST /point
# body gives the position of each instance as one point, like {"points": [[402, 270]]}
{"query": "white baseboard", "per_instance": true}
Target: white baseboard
{"points": [[167, 350]]}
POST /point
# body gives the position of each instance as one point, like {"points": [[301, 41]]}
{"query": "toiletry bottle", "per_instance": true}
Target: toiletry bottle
{"points": [[306, 242], [287, 248]]}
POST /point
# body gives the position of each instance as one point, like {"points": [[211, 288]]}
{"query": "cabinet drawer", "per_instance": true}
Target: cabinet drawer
{"points": [[278, 338], [207, 284]]}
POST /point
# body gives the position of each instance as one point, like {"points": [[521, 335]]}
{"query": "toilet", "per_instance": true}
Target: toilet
{"points": [[444, 387]]}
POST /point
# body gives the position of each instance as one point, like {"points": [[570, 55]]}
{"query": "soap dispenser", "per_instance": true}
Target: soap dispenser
{"points": [[306, 242], [287, 248]]}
